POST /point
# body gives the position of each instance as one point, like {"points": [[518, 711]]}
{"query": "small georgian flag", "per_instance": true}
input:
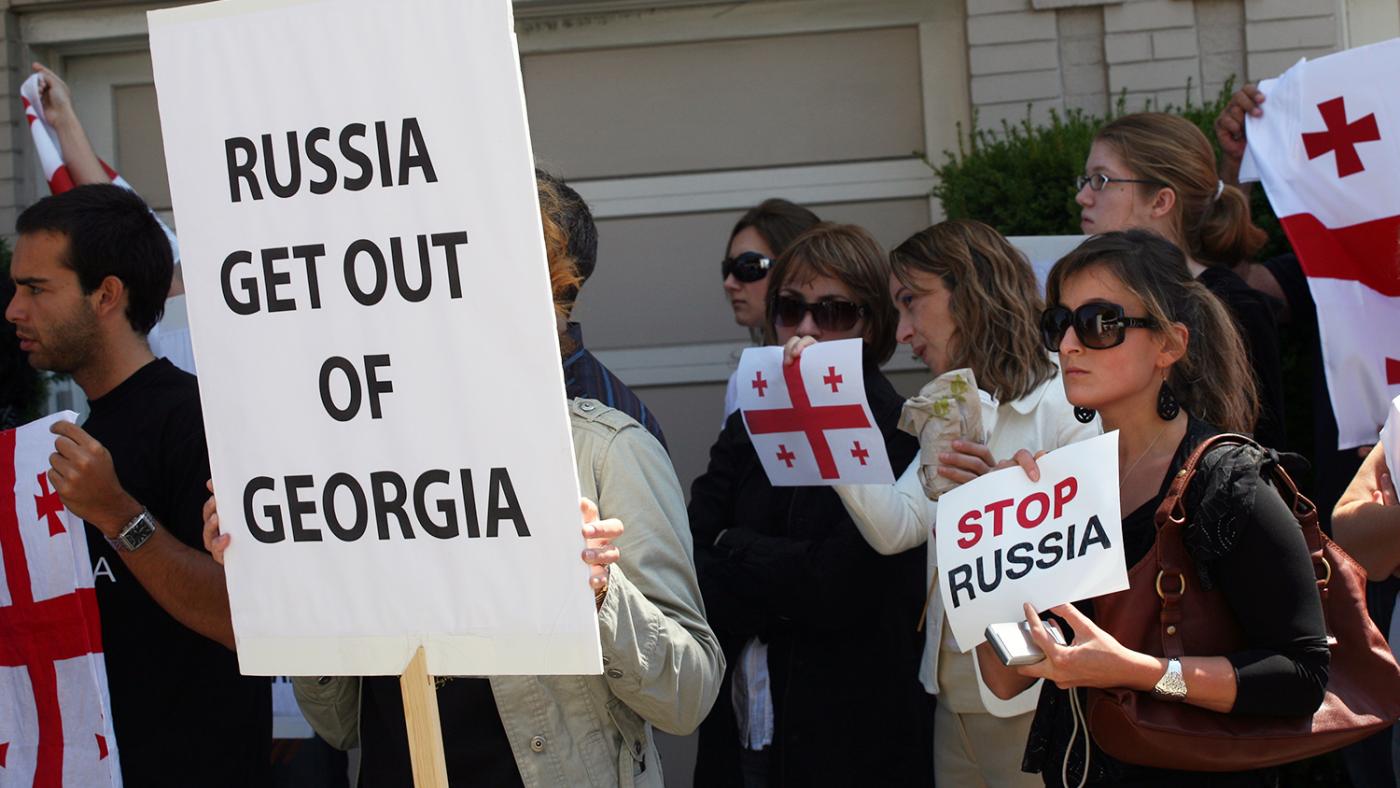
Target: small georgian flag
{"points": [[810, 422]]}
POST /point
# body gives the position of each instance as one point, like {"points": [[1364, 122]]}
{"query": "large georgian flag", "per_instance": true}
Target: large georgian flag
{"points": [[55, 719], [1328, 152]]}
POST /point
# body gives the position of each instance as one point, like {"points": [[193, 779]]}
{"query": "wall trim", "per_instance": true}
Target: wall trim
{"points": [[722, 190]]}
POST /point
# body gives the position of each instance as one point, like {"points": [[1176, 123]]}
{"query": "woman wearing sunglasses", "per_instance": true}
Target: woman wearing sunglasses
{"points": [[1128, 321], [757, 239], [1157, 172], [967, 299], [817, 627]]}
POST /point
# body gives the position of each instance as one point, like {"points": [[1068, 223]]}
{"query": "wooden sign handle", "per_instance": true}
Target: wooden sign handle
{"points": [[420, 709]]}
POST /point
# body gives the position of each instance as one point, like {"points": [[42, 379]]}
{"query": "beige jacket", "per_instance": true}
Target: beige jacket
{"points": [[900, 517], [662, 664]]}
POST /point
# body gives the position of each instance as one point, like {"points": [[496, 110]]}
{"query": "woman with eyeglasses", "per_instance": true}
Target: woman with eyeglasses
{"points": [[817, 627], [1128, 320], [757, 239], [1157, 172], [967, 298]]}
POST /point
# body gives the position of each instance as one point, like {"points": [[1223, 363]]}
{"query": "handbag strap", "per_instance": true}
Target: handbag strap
{"points": [[1173, 561]]}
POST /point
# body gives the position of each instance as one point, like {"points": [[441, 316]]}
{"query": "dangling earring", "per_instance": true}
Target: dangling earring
{"points": [[1083, 415], [1167, 406]]}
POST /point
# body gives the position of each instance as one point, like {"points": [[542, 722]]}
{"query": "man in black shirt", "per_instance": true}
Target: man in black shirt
{"points": [[92, 268]]}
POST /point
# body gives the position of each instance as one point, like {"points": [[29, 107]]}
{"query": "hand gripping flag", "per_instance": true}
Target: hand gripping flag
{"points": [[1328, 152], [51, 154], [809, 422], [55, 720]]}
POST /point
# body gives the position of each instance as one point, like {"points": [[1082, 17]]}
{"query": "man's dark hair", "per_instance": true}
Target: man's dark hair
{"points": [[778, 221], [577, 222], [111, 232]]}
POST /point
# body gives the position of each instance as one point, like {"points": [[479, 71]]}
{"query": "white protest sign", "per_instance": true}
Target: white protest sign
{"points": [[809, 422], [1390, 439], [1004, 540], [371, 313]]}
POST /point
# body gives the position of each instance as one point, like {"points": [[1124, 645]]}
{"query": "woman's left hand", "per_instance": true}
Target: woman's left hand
{"points": [[1094, 659], [599, 552]]}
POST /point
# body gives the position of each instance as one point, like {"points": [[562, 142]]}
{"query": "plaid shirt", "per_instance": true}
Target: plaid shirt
{"points": [[585, 376]]}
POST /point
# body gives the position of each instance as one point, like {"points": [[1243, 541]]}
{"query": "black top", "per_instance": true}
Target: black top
{"points": [[183, 714], [473, 739], [839, 620], [1332, 470], [1255, 318], [1244, 540], [585, 376]]}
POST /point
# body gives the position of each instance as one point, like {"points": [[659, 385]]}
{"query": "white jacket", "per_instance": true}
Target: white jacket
{"points": [[900, 517]]}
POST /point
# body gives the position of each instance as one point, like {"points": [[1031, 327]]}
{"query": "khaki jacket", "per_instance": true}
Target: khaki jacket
{"points": [[662, 664]]}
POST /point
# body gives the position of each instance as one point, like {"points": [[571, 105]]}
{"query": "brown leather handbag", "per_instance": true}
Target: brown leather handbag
{"points": [[1165, 613]]}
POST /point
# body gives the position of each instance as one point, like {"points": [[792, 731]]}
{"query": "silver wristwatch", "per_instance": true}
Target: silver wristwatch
{"points": [[135, 533], [1172, 685]]}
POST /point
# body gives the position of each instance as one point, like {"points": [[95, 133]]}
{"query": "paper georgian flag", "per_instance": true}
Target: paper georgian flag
{"points": [[810, 422], [55, 720], [1327, 150]]}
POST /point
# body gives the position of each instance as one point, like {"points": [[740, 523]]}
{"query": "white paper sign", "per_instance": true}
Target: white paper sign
{"points": [[809, 422], [370, 307], [1390, 440], [1003, 541]]}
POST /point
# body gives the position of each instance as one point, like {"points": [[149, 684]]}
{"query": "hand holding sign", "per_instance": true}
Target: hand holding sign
{"points": [[809, 420], [1006, 538]]}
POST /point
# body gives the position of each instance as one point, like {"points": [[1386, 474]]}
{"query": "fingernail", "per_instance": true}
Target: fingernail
{"points": [[590, 554]]}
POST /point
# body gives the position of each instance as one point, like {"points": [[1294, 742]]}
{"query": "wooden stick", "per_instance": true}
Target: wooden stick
{"points": [[420, 709]]}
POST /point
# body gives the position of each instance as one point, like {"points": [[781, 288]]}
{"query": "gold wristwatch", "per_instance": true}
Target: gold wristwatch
{"points": [[1172, 685]]}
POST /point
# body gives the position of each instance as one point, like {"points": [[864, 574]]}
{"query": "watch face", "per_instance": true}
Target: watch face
{"points": [[138, 532]]}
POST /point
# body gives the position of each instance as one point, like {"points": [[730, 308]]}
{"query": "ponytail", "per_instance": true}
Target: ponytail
{"points": [[1227, 233]]}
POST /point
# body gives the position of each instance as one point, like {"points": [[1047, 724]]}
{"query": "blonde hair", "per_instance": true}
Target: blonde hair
{"points": [[994, 299], [1211, 219], [1213, 379]]}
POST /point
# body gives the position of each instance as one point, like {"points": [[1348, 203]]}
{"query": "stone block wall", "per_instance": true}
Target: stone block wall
{"points": [[1043, 55]]}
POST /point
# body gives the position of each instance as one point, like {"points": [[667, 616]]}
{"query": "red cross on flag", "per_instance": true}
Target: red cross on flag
{"points": [[1327, 151], [55, 720], [810, 422]]}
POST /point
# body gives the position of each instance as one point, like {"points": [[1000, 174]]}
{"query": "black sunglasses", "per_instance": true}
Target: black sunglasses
{"points": [[828, 315], [1099, 325], [747, 267]]}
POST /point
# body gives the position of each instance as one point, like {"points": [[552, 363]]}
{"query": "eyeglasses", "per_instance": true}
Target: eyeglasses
{"points": [[1099, 325], [747, 267], [828, 315], [1098, 180]]}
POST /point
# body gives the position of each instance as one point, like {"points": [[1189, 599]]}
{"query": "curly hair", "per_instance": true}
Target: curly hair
{"points": [[994, 299]]}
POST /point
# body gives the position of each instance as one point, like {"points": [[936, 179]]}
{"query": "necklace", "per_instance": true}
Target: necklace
{"points": [[1142, 456]]}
